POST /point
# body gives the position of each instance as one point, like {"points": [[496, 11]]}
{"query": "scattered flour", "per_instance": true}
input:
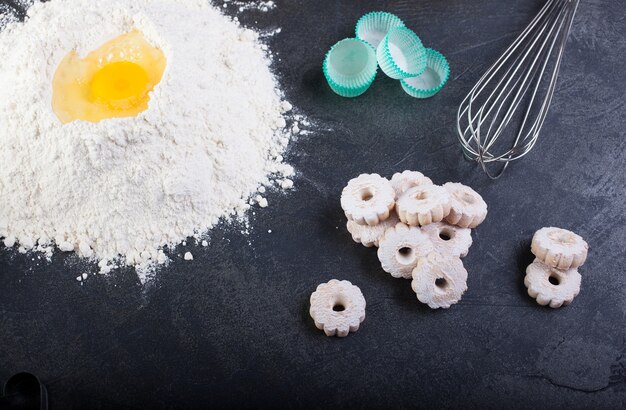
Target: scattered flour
{"points": [[264, 6], [120, 190], [286, 184]]}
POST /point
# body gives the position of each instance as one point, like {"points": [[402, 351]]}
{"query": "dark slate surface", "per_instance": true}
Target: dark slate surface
{"points": [[232, 328]]}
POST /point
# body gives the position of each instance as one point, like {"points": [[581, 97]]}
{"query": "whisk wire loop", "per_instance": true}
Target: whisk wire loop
{"points": [[510, 91]]}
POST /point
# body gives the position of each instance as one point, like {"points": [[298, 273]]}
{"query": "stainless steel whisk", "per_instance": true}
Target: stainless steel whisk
{"points": [[510, 91]]}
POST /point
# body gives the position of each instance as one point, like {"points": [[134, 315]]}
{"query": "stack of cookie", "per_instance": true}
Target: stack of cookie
{"points": [[553, 278], [422, 230]]}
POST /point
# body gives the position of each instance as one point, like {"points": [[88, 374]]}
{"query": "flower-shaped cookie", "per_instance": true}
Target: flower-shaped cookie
{"points": [[370, 235], [367, 199], [449, 239], [439, 280], [337, 307], [468, 209], [423, 205], [551, 286], [559, 248], [401, 247], [408, 179]]}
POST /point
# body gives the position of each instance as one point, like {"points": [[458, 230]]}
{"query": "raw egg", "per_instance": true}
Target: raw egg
{"points": [[113, 80]]}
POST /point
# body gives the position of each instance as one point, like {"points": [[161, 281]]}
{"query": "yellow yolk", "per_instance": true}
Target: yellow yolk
{"points": [[112, 81], [120, 85]]}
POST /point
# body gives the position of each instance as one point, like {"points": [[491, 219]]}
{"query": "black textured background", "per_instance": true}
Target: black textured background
{"points": [[232, 327]]}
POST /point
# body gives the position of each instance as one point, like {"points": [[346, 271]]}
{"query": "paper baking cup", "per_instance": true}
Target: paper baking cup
{"points": [[350, 67], [374, 26], [401, 54], [431, 80]]}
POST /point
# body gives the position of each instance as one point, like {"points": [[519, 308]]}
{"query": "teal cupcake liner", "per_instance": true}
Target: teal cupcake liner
{"points": [[350, 67], [401, 54], [432, 80], [374, 26]]}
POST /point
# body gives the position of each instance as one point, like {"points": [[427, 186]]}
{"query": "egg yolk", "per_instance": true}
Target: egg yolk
{"points": [[120, 85], [112, 81]]}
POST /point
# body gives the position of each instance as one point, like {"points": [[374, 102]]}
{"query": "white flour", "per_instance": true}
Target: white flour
{"points": [[251, 5], [213, 133]]}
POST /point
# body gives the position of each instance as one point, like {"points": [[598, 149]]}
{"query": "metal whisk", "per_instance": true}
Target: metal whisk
{"points": [[513, 91]]}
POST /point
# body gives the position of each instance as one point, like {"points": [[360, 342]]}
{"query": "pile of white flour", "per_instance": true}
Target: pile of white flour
{"points": [[122, 189]]}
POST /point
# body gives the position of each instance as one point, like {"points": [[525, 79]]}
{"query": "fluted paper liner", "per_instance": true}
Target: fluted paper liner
{"points": [[401, 54], [350, 67], [432, 80], [374, 26]]}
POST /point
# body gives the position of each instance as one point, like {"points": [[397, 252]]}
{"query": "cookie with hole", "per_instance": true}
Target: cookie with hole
{"points": [[550, 286], [400, 248], [368, 199], [423, 205], [439, 280], [368, 235], [402, 181], [467, 207], [559, 248], [449, 239], [337, 307]]}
